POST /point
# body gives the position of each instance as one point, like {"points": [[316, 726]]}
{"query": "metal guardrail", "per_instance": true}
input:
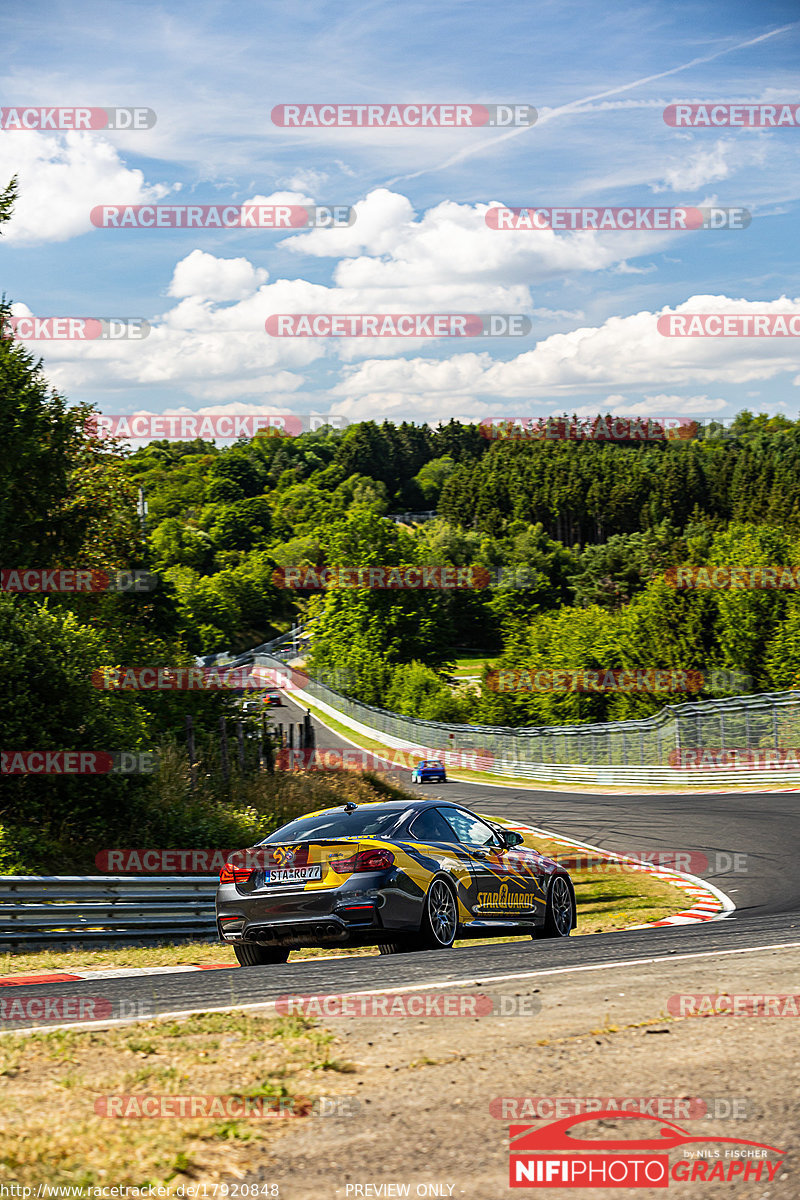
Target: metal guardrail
{"points": [[285, 646], [618, 752], [412, 518], [43, 910]]}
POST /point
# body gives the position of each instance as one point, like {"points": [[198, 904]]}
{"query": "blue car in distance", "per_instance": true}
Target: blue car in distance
{"points": [[429, 770]]}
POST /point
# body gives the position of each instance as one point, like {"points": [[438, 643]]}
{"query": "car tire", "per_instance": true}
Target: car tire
{"points": [[439, 917], [559, 913], [250, 954]]}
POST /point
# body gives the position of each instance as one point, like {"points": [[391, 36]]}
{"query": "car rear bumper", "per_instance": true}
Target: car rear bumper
{"points": [[359, 911]]}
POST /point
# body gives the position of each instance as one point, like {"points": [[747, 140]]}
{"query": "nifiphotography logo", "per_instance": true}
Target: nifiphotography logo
{"points": [[552, 1156]]}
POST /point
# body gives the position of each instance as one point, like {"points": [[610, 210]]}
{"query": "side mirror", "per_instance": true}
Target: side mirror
{"points": [[511, 838]]}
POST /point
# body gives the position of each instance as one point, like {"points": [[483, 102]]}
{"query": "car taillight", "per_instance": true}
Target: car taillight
{"points": [[234, 874], [364, 860]]}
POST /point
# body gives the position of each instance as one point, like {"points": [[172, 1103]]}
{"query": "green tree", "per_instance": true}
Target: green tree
{"points": [[7, 200], [48, 702], [243, 525], [432, 477], [60, 492]]}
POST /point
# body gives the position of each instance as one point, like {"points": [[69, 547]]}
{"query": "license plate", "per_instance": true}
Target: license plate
{"points": [[292, 874]]}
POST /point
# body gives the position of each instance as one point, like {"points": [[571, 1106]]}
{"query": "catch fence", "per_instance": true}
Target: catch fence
{"points": [[649, 750]]}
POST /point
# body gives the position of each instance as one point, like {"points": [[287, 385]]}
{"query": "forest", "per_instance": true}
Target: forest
{"points": [[575, 547]]}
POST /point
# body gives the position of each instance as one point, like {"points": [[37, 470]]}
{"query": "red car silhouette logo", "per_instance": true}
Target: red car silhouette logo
{"points": [[554, 1136]]}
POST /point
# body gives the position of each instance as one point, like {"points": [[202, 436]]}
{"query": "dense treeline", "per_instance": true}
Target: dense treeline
{"points": [[584, 492], [594, 525]]}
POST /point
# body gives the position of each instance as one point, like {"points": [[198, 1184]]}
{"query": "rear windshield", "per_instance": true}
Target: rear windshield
{"points": [[366, 822]]}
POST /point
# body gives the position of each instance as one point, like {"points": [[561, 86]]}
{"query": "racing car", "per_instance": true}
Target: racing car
{"points": [[429, 770], [401, 874]]}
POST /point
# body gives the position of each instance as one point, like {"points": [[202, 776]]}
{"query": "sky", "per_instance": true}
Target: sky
{"points": [[599, 77]]}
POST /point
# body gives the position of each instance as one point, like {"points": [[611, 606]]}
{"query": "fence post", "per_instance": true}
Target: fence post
{"points": [[223, 748], [775, 723], [190, 749], [266, 745], [240, 739]]}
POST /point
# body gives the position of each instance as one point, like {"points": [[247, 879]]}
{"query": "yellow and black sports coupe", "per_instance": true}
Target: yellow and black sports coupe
{"points": [[402, 875]]}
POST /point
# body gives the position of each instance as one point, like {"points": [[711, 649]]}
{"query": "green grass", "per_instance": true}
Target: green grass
{"points": [[470, 662], [50, 1131]]}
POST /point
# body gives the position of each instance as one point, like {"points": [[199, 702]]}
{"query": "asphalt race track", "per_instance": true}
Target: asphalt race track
{"points": [[764, 827]]}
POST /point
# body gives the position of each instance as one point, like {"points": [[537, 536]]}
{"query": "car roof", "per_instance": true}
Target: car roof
{"points": [[413, 804]]}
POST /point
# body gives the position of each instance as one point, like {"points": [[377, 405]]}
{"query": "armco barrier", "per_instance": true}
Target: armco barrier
{"points": [[619, 753], [85, 910]]}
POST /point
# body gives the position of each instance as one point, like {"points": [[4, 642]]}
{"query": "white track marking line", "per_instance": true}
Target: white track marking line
{"points": [[470, 981]]}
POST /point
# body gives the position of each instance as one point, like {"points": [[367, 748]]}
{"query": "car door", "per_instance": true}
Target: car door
{"points": [[483, 848], [509, 887], [436, 839]]}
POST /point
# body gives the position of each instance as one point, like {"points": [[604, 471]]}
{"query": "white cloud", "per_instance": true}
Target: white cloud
{"points": [[205, 277], [380, 219], [664, 404], [306, 180], [625, 268], [387, 247], [624, 350], [61, 179]]}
